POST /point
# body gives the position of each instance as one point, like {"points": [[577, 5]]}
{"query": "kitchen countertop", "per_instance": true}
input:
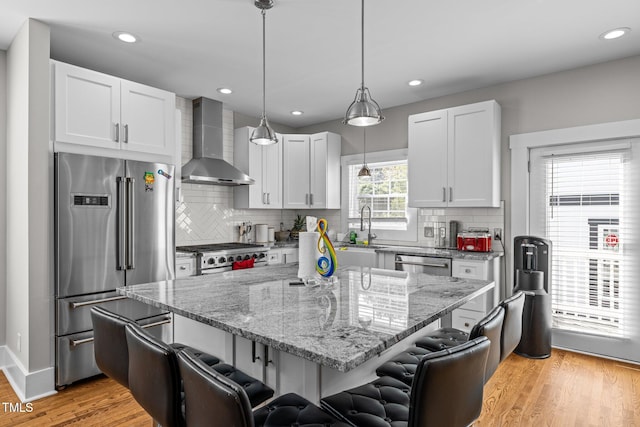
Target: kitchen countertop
{"points": [[340, 326]]}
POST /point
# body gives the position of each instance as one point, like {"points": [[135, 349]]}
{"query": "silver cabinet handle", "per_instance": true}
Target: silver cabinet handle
{"points": [[130, 223], [158, 323], [76, 343], [253, 352], [96, 301], [264, 198], [183, 267], [451, 194], [467, 270], [306, 199], [117, 136], [444, 194], [423, 264], [268, 198], [121, 224], [311, 199], [126, 133], [266, 359]]}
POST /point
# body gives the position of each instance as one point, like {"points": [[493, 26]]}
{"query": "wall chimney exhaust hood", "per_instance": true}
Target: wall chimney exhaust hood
{"points": [[207, 165]]}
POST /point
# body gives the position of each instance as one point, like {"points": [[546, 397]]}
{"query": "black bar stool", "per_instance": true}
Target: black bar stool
{"points": [[512, 327], [447, 390], [213, 401]]}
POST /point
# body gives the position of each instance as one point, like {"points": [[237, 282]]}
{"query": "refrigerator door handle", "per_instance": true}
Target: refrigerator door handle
{"points": [[130, 223], [121, 236]]}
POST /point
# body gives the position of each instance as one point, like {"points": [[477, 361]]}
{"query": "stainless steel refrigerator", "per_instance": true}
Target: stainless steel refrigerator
{"points": [[114, 226]]}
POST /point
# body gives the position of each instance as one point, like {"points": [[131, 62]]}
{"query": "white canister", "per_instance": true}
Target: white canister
{"points": [[262, 233], [272, 234]]}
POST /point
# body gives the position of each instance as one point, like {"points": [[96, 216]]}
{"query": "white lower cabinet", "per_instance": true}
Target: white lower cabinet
{"points": [[469, 314], [185, 267], [283, 256]]}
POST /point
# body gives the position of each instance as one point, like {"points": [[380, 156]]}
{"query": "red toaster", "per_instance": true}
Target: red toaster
{"points": [[474, 241]]}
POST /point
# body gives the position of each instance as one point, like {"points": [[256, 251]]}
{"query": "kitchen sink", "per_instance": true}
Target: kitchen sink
{"points": [[360, 255]]}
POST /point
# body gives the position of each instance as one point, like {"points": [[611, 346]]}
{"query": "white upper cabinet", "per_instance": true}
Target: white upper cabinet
{"points": [[311, 171], [454, 157], [263, 163], [104, 112]]}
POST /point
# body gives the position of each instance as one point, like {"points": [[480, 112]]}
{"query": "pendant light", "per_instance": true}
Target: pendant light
{"points": [[363, 111], [364, 170], [263, 134]]}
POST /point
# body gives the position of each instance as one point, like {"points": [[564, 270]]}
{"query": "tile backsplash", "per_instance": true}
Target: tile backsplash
{"points": [[205, 213]]}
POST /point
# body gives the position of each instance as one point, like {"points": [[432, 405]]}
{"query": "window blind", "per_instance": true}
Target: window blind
{"points": [[582, 201]]}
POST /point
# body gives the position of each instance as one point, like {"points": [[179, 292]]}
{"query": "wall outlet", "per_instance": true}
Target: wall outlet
{"points": [[497, 234], [428, 232]]}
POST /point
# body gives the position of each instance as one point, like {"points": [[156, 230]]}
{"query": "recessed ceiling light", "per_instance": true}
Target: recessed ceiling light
{"points": [[614, 34], [224, 90], [125, 37], [415, 83], [297, 113]]}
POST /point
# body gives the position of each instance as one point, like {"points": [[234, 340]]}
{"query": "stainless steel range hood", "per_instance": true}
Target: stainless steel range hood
{"points": [[207, 165]]}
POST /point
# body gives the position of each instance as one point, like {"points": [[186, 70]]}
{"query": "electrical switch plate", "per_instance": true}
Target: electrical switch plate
{"points": [[428, 232]]}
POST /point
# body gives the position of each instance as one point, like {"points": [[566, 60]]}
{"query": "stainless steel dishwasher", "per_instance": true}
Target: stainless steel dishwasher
{"points": [[424, 264]]}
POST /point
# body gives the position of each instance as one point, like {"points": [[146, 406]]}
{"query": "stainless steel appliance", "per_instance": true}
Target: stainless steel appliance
{"points": [[114, 226], [220, 257], [532, 275], [424, 264]]}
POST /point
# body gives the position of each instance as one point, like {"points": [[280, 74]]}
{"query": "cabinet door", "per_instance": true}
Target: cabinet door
{"points": [[147, 119], [427, 160], [296, 171], [87, 107], [272, 175], [474, 155], [318, 171]]}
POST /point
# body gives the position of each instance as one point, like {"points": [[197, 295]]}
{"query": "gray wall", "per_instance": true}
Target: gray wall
{"points": [[600, 93], [241, 120], [3, 194], [28, 172]]}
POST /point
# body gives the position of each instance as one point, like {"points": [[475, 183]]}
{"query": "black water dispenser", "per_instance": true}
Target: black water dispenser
{"points": [[532, 275]]}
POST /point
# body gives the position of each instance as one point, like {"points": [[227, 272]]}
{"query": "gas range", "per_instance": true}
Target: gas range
{"points": [[219, 257]]}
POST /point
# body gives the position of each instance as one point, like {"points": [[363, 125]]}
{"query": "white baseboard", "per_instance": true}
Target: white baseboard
{"points": [[28, 386]]}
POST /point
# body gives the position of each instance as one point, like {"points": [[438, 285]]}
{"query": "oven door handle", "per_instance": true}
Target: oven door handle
{"points": [[423, 264]]}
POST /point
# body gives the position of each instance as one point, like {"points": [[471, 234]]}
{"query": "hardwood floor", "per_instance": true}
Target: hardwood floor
{"points": [[567, 389]]}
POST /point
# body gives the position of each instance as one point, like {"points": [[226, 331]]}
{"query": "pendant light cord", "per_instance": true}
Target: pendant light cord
{"points": [[264, 60], [364, 157], [362, 42]]}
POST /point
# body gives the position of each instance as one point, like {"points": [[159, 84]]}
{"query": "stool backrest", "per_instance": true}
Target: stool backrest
{"points": [[154, 379], [110, 344], [490, 326], [448, 386], [512, 327], [210, 398]]}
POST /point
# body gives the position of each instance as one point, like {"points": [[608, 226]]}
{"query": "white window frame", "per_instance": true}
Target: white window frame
{"points": [[411, 233]]}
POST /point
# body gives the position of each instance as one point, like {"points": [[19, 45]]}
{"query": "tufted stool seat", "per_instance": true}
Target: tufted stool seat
{"points": [[380, 403], [256, 390], [403, 366], [489, 326], [212, 400], [447, 391], [443, 338]]}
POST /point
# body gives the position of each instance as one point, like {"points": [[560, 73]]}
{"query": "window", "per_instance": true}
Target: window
{"points": [[581, 204], [385, 192]]}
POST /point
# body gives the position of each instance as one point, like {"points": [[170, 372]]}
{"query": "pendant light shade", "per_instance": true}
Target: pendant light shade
{"points": [[263, 134], [364, 170], [363, 111]]}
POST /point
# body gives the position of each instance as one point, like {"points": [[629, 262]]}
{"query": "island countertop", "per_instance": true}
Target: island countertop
{"points": [[341, 326]]}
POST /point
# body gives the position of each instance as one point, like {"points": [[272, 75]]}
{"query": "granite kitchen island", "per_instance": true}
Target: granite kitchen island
{"points": [[311, 340]]}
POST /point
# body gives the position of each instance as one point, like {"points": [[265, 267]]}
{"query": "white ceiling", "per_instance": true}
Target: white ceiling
{"points": [[193, 47]]}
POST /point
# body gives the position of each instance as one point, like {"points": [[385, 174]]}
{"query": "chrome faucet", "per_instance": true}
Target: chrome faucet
{"points": [[370, 236]]}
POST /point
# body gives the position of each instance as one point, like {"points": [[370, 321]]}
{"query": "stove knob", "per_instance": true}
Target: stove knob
{"points": [[222, 259], [254, 256], [211, 261], [262, 255], [239, 258]]}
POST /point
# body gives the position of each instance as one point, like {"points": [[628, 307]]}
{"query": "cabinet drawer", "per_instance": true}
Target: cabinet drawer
{"points": [[185, 267], [470, 269], [465, 319]]}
